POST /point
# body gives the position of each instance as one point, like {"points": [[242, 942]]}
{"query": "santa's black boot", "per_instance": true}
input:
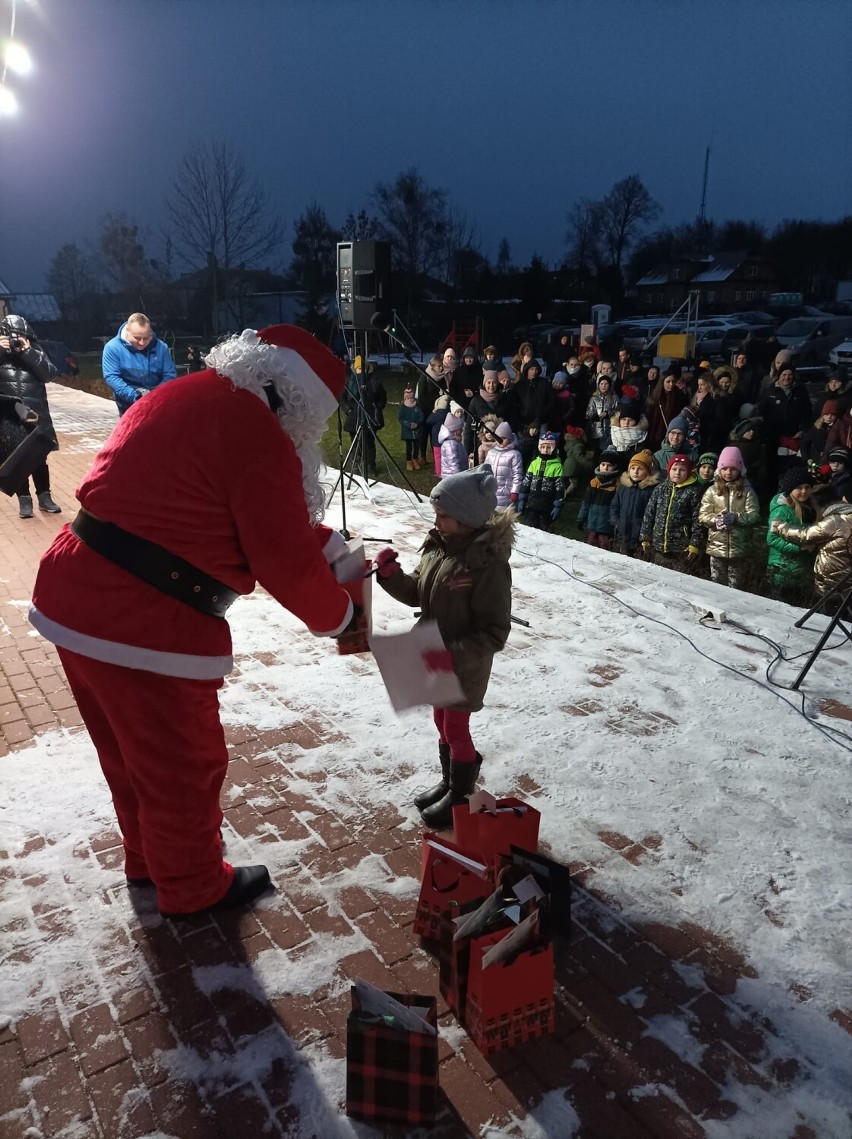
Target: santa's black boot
{"points": [[462, 781], [45, 502], [440, 789], [25, 506], [249, 883]]}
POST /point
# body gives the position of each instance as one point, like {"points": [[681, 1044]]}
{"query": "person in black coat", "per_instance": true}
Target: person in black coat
{"points": [[364, 398], [558, 354], [467, 378], [24, 372], [531, 398], [785, 409]]}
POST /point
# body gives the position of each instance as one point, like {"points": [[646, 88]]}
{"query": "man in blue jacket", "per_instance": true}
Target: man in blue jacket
{"points": [[135, 362]]}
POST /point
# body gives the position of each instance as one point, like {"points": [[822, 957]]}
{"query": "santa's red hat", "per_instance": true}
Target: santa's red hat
{"points": [[288, 358]]}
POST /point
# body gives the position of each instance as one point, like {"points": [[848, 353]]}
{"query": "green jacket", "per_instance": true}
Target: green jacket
{"points": [[465, 584], [788, 564]]}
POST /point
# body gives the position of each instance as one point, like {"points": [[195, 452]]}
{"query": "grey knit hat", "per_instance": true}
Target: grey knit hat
{"points": [[470, 496]]}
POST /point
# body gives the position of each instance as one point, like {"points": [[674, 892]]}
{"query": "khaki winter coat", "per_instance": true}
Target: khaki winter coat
{"points": [[833, 537], [729, 498], [465, 584]]}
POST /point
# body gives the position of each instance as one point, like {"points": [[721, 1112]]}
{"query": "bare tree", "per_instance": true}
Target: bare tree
{"points": [[314, 263], [583, 237], [136, 278], [358, 227], [412, 217], [219, 215], [459, 234], [72, 281], [504, 258], [622, 213]]}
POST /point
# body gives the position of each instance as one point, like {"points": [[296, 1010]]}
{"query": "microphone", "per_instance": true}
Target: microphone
{"points": [[383, 323]]}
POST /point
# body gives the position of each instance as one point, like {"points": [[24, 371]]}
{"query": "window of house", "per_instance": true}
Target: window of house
{"points": [[675, 274], [750, 294], [738, 295], [711, 295], [752, 270]]}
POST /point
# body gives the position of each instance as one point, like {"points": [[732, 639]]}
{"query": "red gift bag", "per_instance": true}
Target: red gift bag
{"points": [[491, 827], [360, 591], [509, 1001], [450, 879]]}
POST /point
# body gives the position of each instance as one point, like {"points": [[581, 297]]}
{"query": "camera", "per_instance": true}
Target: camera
{"points": [[16, 344]]}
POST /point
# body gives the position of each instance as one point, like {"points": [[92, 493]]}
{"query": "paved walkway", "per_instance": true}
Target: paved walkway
{"points": [[148, 1039]]}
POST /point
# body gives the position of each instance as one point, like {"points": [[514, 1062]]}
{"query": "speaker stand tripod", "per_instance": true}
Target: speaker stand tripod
{"points": [[841, 595], [355, 465]]}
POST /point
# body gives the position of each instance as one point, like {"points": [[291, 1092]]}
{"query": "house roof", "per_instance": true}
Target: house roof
{"points": [[658, 277], [724, 264], [36, 307]]}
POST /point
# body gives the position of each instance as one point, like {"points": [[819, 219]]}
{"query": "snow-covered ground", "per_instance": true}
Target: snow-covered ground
{"points": [[629, 715]]}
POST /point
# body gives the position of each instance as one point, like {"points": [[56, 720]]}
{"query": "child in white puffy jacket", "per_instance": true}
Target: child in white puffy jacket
{"points": [[506, 463]]}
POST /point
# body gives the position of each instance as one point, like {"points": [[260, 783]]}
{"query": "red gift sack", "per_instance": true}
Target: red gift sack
{"points": [[360, 591], [491, 827], [392, 1072], [511, 1001], [450, 879]]}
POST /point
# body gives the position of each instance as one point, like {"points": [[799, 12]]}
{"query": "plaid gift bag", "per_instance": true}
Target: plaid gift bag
{"points": [[509, 997], [391, 1070], [491, 827], [450, 879]]}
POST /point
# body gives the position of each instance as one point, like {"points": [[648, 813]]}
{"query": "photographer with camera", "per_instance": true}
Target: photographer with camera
{"points": [[24, 371]]}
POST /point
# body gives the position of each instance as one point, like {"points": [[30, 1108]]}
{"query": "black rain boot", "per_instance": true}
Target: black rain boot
{"points": [[25, 506], [427, 798], [45, 502], [461, 784], [249, 883]]}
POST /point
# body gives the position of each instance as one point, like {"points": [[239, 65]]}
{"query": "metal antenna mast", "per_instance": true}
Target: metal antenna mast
{"points": [[702, 213]]}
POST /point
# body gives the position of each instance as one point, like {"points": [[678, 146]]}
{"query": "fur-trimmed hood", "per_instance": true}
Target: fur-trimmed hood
{"points": [[650, 480], [494, 540]]}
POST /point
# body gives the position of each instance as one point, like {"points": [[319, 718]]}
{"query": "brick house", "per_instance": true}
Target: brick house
{"points": [[725, 281]]}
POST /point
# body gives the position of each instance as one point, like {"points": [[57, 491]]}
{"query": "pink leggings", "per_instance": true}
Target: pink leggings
{"points": [[454, 729]]}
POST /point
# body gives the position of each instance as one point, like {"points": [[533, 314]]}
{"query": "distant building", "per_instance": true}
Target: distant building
{"points": [[725, 281]]}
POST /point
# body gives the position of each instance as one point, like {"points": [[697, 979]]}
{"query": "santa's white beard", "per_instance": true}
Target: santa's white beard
{"points": [[250, 363], [310, 456]]}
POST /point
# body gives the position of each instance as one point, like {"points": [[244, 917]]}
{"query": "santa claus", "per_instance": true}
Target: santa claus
{"points": [[207, 486]]}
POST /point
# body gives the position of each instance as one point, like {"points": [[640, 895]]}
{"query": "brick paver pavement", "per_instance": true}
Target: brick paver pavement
{"points": [[148, 1041]]}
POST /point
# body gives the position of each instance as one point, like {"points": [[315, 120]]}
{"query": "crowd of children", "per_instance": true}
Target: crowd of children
{"points": [[668, 465]]}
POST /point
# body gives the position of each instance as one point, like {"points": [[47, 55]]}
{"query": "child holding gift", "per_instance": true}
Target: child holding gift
{"points": [[464, 583]]}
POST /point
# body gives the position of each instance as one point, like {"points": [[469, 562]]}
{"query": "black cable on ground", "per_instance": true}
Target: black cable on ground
{"points": [[831, 734]]}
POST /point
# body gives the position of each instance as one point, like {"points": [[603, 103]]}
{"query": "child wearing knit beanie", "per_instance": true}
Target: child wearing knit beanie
{"points": [[463, 583], [632, 495], [729, 509]]}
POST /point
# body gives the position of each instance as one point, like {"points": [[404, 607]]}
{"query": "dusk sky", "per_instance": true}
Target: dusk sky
{"points": [[516, 107]]}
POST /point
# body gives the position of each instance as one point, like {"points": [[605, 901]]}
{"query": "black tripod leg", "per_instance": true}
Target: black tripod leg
{"points": [[820, 645], [400, 471]]}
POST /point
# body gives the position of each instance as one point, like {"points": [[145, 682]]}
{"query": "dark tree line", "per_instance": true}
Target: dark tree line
{"points": [[221, 233]]}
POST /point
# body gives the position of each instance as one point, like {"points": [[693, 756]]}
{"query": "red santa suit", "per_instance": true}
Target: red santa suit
{"points": [[202, 468]]}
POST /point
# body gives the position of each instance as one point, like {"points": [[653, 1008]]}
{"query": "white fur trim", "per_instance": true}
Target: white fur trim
{"points": [[335, 547], [184, 665]]}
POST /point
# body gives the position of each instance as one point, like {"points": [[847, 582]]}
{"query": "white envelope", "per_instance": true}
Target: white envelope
{"points": [[408, 681]]}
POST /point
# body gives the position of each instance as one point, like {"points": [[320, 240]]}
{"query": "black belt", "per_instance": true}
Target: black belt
{"points": [[155, 565]]}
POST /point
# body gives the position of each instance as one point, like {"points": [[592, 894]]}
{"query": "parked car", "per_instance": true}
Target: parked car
{"points": [[841, 357], [734, 338], [61, 356], [810, 339], [756, 318], [710, 338]]}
